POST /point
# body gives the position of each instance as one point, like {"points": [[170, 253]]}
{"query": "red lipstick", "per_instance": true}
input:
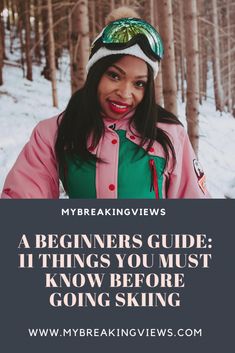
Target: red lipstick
{"points": [[118, 107]]}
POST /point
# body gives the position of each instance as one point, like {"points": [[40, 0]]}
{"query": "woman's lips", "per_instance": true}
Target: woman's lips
{"points": [[118, 107]]}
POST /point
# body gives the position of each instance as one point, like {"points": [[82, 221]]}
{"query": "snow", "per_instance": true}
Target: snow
{"points": [[24, 103], [216, 149]]}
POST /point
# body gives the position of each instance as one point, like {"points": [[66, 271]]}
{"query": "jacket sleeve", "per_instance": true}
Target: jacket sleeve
{"points": [[187, 179], [34, 174]]}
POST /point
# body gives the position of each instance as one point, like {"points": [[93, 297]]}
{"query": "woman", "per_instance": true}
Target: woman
{"points": [[112, 141]]}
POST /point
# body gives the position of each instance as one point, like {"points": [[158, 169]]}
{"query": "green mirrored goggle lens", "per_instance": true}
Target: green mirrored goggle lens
{"points": [[125, 30]]}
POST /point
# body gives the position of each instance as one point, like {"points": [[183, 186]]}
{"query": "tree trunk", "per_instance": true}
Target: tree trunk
{"points": [[203, 51], [168, 63], [223, 45], [200, 46], [232, 53], [100, 14], [216, 60], [8, 25], [192, 55], [37, 15], [158, 89], [182, 51], [58, 30], [20, 7], [29, 72], [14, 13], [2, 31], [46, 69], [151, 12], [1, 42], [229, 59], [92, 19], [112, 5], [80, 44], [158, 81], [52, 54]]}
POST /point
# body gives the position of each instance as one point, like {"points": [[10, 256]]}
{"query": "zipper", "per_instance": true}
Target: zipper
{"points": [[154, 178]]}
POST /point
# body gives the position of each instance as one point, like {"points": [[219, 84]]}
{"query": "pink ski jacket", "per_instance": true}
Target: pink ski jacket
{"points": [[35, 172]]}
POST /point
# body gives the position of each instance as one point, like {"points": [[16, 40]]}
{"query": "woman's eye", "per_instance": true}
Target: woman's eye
{"points": [[140, 84], [113, 75]]}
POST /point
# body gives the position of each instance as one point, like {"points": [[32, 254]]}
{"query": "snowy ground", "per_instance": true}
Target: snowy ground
{"points": [[216, 149], [24, 103]]}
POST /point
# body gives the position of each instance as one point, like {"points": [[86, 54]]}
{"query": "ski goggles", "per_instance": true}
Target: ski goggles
{"points": [[125, 32]]}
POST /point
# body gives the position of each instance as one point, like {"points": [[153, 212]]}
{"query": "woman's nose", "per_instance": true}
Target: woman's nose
{"points": [[125, 90]]}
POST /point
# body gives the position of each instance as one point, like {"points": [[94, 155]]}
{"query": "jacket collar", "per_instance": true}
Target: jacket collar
{"points": [[116, 124]]}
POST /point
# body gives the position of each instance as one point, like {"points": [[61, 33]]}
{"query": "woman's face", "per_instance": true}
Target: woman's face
{"points": [[122, 86]]}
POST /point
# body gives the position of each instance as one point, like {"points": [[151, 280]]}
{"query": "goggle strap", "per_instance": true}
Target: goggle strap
{"points": [[134, 50]]}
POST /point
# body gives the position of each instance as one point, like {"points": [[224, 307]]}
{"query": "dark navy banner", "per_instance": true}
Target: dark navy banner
{"points": [[120, 276]]}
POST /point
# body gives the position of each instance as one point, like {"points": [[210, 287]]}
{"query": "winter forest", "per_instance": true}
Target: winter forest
{"points": [[44, 48]]}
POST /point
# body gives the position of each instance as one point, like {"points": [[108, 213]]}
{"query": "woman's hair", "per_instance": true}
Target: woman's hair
{"points": [[82, 118]]}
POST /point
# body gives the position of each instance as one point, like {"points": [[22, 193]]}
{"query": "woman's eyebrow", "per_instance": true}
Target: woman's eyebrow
{"points": [[124, 73]]}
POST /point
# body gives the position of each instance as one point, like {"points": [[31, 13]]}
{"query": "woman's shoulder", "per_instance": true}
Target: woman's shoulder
{"points": [[169, 123], [174, 131], [177, 128], [49, 125], [46, 129]]}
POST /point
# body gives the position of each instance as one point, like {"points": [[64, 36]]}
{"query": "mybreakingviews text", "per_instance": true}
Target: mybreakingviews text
{"points": [[115, 332]]}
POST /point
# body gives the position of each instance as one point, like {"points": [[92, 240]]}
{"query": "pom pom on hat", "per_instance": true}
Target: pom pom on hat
{"points": [[121, 12]]}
